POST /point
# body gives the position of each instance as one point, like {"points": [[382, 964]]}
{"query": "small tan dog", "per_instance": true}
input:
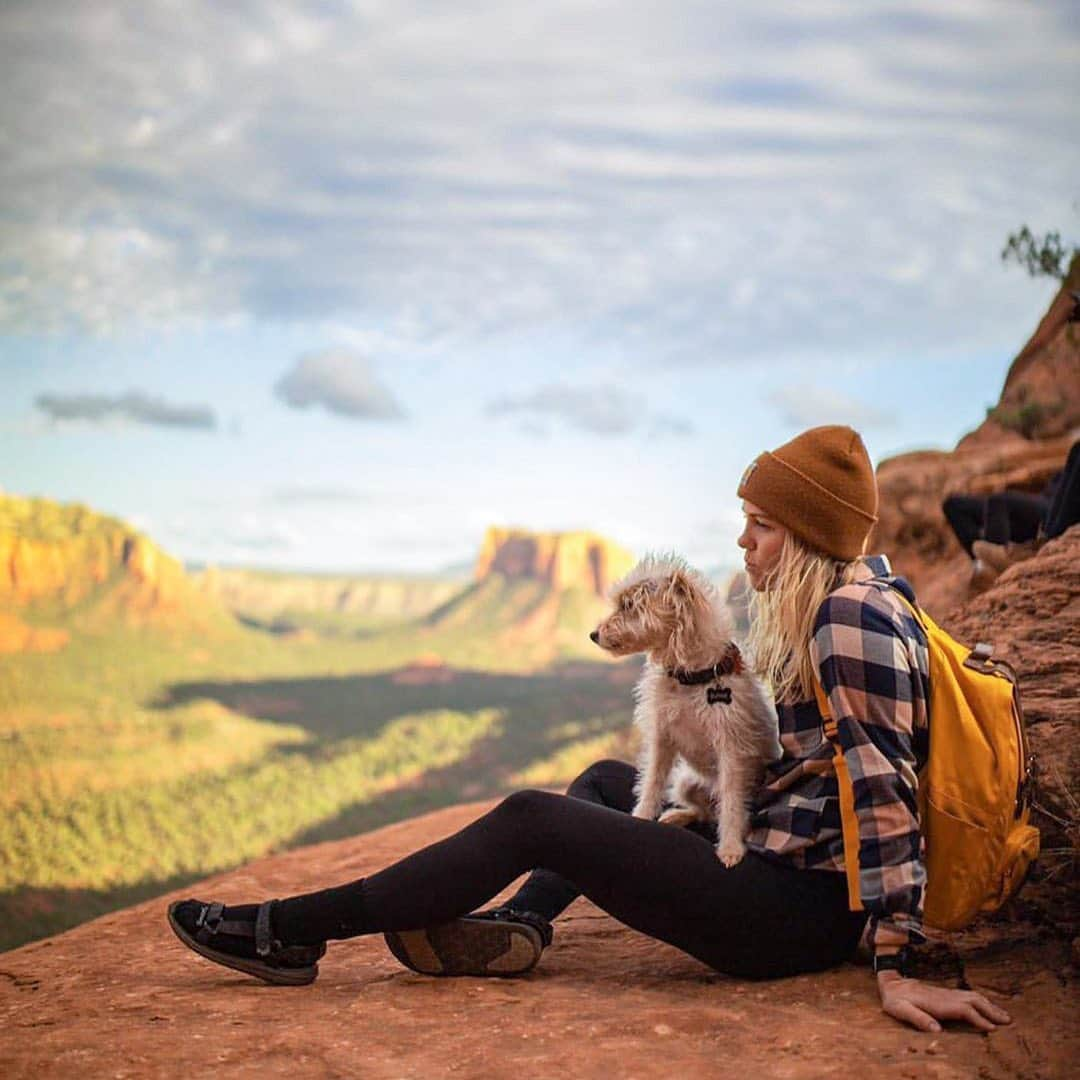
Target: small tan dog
{"points": [[695, 700]]}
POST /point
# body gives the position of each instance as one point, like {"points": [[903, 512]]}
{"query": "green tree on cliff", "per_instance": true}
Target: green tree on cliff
{"points": [[1039, 256]]}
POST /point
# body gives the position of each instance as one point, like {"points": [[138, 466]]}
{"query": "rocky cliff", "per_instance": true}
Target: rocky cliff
{"points": [[560, 560], [1032, 612], [1040, 398], [536, 595], [67, 563], [1021, 443], [1032, 617]]}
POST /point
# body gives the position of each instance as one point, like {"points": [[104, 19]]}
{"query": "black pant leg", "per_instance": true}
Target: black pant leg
{"points": [[1065, 506], [964, 514], [758, 919], [1014, 517], [606, 783]]}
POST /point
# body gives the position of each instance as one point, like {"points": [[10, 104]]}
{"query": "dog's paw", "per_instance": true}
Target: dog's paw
{"points": [[730, 854], [680, 816]]}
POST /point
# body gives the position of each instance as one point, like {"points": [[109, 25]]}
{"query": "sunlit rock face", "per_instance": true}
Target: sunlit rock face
{"points": [[68, 563], [1032, 617], [561, 560]]}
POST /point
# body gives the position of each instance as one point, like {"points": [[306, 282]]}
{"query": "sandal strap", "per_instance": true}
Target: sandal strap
{"points": [[212, 919], [264, 937], [506, 914]]}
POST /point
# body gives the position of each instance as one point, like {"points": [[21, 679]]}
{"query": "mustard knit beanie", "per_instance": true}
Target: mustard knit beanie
{"points": [[821, 486]]}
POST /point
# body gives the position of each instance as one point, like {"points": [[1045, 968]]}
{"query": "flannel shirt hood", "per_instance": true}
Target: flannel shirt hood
{"points": [[873, 663]]}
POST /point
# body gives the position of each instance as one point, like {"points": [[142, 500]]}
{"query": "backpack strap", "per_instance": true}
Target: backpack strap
{"points": [[846, 790]]}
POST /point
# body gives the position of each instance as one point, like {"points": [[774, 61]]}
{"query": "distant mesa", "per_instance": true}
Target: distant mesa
{"points": [[562, 560], [67, 563], [67, 569], [275, 599]]}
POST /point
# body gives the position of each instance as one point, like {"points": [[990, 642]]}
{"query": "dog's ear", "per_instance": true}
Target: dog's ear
{"points": [[692, 612], [678, 591], [679, 595]]}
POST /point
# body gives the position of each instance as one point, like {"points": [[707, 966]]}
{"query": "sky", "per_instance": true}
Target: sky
{"points": [[336, 285]]}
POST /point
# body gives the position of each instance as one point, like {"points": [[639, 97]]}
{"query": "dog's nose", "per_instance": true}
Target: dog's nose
{"points": [[594, 637]]}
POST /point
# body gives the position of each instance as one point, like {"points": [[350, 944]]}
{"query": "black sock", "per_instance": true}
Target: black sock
{"points": [[316, 917]]}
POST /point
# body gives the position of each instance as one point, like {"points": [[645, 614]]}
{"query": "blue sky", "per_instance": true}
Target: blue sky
{"points": [[336, 285]]}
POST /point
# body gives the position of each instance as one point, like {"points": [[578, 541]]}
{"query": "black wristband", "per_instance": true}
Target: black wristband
{"points": [[897, 961]]}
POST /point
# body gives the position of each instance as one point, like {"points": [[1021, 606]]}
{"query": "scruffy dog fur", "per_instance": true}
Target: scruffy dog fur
{"points": [[717, 751]]}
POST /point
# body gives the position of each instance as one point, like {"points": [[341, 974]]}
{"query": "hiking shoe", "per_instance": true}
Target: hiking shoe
{"points": [[982, 577], [996, 556], [246, 945], [1002, 556], [496, 942]]}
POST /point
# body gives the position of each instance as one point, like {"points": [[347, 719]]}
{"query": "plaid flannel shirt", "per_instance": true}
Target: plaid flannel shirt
{"points": [[873, 662]]}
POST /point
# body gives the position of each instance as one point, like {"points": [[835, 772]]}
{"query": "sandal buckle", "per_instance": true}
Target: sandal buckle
{"points": [[210, 917]]}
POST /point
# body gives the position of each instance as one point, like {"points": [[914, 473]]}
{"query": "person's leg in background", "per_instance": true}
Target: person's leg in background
{"points": [[1011, 530], [965, 515], [1013, 517], [1065, 506]]}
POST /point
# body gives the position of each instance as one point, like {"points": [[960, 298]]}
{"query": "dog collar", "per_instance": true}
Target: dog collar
{"points": [[729, 664]]}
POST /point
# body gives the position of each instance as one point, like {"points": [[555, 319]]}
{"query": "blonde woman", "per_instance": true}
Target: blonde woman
{"points": [[821, 610]]}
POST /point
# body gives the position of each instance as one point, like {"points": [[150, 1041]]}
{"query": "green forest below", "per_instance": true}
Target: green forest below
{"points": [[149, 752]]}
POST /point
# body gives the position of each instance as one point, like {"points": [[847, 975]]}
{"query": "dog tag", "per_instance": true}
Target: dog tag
{"points": [[718, 695]]}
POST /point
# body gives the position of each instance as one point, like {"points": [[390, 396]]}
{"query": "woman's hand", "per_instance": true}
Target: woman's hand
{"points": [[923, 1006]]}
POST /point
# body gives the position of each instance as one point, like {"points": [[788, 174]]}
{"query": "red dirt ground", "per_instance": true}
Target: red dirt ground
{"points": [[120, 997]]}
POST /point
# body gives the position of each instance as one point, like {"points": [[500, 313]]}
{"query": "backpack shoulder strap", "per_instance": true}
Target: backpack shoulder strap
{"points": [[845, 787], [846, 790]]}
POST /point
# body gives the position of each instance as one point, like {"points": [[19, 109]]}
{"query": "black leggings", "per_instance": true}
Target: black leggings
{"points": [[1014, 517], [1011, 517], [759, 919]]}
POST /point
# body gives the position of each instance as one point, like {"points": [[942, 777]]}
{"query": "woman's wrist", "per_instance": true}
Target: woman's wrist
{"points": [[891, 958], [886, 978]]}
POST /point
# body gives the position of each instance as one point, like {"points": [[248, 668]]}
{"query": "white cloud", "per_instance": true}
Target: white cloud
{"points": [[597, 410], [806, 405], [695, 181], [133, 406], [342, 382]]}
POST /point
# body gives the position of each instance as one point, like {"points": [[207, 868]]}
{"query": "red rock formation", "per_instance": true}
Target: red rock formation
{"points": [[562, 560], [912, 529], [1041, 396], [69, 558], [120, 996], [1032, 617], [1023, 441]]}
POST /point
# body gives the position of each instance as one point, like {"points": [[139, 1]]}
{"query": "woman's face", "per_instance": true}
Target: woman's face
{"points": [[762, 539]]}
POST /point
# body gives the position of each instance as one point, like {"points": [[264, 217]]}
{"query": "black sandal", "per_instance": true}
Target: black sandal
{"points": [[203, 929], [497, 942]]}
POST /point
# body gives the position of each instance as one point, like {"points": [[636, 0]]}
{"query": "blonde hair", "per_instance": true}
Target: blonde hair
{"points": [[782, 617]]}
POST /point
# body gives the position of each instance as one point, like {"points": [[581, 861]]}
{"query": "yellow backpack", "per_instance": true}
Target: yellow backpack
{"points": [[974, 790]]}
